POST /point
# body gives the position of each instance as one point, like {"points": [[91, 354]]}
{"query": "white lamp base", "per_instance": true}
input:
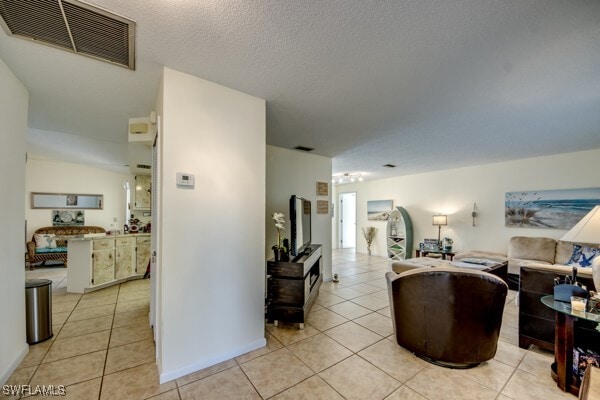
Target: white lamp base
{"points": [[596, 272]]}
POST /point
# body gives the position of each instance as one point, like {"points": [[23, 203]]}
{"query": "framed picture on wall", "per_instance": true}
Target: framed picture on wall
{"points": [[549, 209], [71, 200], [322, 207], [68, 218], [322, 188], [379, 210]]}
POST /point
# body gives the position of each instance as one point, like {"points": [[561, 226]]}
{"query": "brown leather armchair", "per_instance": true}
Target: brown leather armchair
{"points": [[447, 316]]}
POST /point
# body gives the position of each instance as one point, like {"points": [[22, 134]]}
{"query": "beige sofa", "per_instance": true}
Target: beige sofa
{"points": [[533, 264], [550, 254]]}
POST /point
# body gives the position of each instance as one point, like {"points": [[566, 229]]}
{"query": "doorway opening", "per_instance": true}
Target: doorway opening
{"points": [[347, 228]]}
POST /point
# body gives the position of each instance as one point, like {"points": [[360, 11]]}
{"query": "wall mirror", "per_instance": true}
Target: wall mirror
{"points": [[67, 200]]}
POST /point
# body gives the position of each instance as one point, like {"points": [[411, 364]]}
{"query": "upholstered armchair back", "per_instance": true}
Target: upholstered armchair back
{"points": [[447, 315]]}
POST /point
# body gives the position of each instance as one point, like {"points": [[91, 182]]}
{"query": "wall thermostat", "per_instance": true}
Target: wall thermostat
{"points": [[185, 180]]}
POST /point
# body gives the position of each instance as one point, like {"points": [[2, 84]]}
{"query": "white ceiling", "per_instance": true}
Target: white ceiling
{"points": [[423, 84]]}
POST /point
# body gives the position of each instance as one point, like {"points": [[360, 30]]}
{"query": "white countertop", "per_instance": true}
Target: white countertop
{"points": [[90, 236]]}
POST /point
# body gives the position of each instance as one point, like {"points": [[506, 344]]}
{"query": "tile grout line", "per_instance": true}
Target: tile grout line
{"points": [[239, 365], [108, 345]]}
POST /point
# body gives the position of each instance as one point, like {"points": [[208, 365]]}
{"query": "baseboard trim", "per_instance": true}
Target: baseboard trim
{"points": [[188, 369], [14, 365]]}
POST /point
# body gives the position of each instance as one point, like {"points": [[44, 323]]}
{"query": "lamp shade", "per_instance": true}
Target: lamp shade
{"points": [[587, 230], [440, 220]]}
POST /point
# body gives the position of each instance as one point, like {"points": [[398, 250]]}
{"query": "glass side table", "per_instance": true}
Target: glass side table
{"points": [[563, 340]]}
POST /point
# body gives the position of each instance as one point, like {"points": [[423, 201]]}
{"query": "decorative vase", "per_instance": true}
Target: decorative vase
{"points": [[276, 251]]}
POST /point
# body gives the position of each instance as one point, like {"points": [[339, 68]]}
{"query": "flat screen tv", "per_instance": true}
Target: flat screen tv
{"points": [[300, 211]]}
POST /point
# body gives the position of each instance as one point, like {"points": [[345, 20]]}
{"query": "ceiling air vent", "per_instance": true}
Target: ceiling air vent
{"points": [[73, 26], [304, 148], [389, 166]]}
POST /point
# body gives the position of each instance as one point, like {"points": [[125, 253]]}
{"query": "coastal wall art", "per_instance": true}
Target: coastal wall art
{"points": [[379, 210], [553, 209], [68, 217]]}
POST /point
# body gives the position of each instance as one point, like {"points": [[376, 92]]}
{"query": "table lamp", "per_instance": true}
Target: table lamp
{"points": [[439, 220], [587, 230]]}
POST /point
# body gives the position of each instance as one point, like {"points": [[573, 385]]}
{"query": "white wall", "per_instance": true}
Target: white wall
{"points": [[52, 176], [211, 250], [454, 191], [293, 172], [335, 226], [13, 133]]}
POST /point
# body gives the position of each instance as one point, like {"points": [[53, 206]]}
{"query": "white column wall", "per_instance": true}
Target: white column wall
{"points": [[293, 172], [13, 134], [454, 191], [211, 249]]}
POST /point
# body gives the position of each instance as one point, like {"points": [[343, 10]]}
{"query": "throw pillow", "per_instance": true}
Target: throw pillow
{"points": [[583, 256], [45, 241], [576, 254]]}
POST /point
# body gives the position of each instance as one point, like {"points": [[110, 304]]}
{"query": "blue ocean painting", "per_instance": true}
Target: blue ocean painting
{"points": [[554, 209]]}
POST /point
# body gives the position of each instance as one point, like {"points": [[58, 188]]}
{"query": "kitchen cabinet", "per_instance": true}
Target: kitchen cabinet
{"points": [[96, 262]]}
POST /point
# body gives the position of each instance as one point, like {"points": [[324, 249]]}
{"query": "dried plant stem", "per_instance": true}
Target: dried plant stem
{"points": [[369, 233]]}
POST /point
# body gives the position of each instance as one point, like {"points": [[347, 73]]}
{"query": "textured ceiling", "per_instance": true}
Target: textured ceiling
{"points": [[422, 84]]}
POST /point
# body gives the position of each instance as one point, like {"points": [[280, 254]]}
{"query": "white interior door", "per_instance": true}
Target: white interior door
{"points": [[347, 220]]}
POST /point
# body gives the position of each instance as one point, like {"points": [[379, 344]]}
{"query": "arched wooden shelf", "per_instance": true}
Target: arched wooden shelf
{"points": [[399, 235]]}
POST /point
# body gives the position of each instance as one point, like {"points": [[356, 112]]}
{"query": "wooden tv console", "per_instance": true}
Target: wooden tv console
{"points": [[292, 286]]}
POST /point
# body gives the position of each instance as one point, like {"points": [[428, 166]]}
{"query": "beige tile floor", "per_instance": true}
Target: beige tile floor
{"points": [[103, 349]]}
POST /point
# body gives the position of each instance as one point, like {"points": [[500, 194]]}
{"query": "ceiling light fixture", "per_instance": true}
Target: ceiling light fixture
{"points": [[346, 178]]}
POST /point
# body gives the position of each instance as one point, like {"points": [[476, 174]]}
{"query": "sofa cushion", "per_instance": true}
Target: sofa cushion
{"points": [[583, 256], [47, 250], [558, 269], [515, 264], [45, 241], [564, 251], [481, 254], [532, 248]]}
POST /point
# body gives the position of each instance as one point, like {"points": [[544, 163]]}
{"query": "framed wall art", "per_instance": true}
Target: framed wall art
{"points": [[68, 218], [379, 210], [322, 207], [322, 188], [552, 209]]}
